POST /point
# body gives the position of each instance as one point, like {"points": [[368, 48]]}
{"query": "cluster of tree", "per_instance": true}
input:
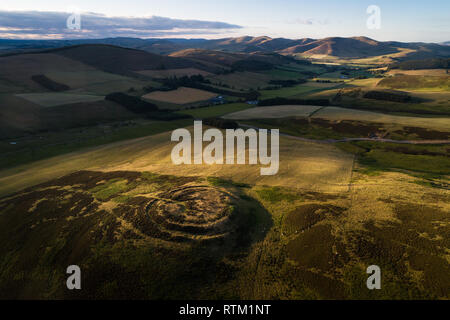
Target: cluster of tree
{"points": [[422, 64], [221, 123], [301, 61], [285, 101], [329, 81], [134, 104], [287, 83], [146, 109], [306, 74], [388, 96], [49, 83], [309, 74], [331, 68], [199, 82], [249, 95], [173, 83], [166, 115]]}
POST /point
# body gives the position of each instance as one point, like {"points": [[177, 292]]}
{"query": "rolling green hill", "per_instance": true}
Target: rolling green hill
{"points": [[87, 177]]}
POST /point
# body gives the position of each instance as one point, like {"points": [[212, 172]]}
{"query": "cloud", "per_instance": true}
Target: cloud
{"points": [[310, 21], [45, 25]]}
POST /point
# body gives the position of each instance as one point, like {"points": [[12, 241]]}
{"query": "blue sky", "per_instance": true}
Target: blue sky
{"points": [[402, 20]]}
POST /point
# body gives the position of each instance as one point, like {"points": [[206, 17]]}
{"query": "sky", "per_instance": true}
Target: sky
{"points": [[401, 20]]}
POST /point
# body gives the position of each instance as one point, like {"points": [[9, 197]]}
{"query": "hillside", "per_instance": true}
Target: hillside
{"points": [[228, 59], [355, 47], [123, 60], [124, 212], [215, 57], [19, 117], [17, 70], [343, 47]]}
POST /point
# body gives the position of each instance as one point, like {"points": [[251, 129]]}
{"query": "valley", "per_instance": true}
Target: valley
{"points": [[86, 175]]}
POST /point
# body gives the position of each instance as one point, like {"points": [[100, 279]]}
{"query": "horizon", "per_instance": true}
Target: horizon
{"points": [[208, 39], [403, 21]]}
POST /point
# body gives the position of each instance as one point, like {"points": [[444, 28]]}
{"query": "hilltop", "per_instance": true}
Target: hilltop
{"points": [[353, 47]]}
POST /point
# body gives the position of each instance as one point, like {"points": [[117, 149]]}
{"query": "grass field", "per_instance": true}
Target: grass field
{"points": [[414, 82], [297, 91], [351, 96], [334, 113], [180, 96], [6, 86], [428, 161], [325, 129], [284, 74], [52, 99], [422, 72], [304, 67], [433, 98], [49, 144], [161, 74], [18, 70], [340, 114], [17, 115], [370, 82], [103, 89], [83, 79], [259, 80], [96, 81], [303, 165], [242, 80], [374, 61]]}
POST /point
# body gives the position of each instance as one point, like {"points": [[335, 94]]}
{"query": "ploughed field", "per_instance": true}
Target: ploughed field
{"points": [[180, 96]]}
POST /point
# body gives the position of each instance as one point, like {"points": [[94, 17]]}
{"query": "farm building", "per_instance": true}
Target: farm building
{"points": [[218, 100]]}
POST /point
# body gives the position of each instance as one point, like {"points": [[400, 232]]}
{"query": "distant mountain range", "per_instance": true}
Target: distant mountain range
{"points": [[355, 47]]}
